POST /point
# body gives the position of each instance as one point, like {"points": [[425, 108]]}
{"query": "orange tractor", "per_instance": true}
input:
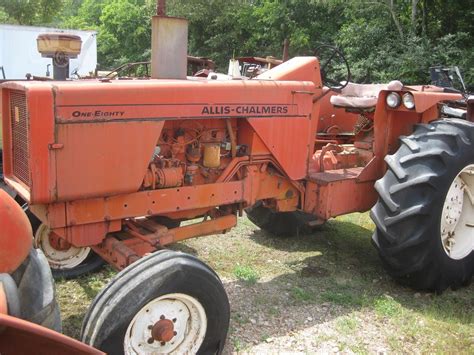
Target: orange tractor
{"points": [[112, 168]]}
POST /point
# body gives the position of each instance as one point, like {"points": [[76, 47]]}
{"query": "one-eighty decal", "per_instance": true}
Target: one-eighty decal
{"points": [[97, 113]]}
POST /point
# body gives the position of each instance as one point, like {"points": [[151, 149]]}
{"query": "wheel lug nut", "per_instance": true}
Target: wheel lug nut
{"points": [[150, 340], [162, 317], [174, 320], [163, 343], [150, 327]]}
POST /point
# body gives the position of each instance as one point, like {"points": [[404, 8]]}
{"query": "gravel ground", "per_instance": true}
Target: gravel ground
{"points": [[320, 293]]}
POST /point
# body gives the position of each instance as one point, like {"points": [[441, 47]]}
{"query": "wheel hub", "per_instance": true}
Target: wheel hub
{"points": [[58, 243], [173, 323], [59, 252], [457, 217], [163, 330]]}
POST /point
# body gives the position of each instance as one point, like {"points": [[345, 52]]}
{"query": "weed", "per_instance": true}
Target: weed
{"points": [[245, 273], [386, 306], [347, 325], [301, 294]]}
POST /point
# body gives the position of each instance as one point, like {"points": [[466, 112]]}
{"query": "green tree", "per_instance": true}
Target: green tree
{"points": [[30, 12]]}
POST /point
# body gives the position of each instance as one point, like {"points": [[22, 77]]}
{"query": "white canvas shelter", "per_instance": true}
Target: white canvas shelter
{"points": [[19, 54]]}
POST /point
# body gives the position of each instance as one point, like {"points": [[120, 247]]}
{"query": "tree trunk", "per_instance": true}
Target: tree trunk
{"points": [[414, 11], [391, 8]]}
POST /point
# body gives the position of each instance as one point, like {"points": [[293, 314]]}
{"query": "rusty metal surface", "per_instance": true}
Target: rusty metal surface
{"points": [[21, 337], [163, 330], [143, 236]]}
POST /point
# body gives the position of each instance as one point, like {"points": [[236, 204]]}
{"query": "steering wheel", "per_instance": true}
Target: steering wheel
{"points": [[335, 71]]}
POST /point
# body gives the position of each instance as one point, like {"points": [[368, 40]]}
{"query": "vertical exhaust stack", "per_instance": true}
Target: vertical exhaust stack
{"points": [[169, 45]]}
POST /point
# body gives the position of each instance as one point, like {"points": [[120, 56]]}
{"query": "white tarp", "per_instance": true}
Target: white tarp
{"points": [[19, 54]]}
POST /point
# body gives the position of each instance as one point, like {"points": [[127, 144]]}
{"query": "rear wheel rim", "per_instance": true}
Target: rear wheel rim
{"points": [[173, 323], [457, 217], [59, 259]]}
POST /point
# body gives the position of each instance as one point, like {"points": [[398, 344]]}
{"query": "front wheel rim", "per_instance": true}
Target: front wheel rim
{"points": [[457, 217], [59, 259], [173, 323]]}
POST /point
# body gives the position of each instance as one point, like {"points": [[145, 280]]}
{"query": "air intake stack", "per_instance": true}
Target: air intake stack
{"points": [[61, 48]]}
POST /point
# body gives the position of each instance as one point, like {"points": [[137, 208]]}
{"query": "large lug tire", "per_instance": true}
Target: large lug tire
{"points": [[280, 224], [68, 263], [36, 292], [425, 213], [167, 302]]}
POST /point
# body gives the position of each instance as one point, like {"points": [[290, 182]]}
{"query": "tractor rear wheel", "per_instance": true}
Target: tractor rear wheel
{"points": [[280, 224], [66, 262], [167, 302], [425, 213]]}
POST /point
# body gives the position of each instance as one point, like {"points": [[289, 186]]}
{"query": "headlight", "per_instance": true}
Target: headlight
{"points": [[409, 101], [393, 100]]}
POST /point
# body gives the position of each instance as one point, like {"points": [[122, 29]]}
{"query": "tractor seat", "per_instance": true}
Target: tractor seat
{"points": [[362, 96]]}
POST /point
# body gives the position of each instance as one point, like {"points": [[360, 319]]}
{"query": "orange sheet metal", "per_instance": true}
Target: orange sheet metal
{"points": [[3, 300], [22, 337], [338, 192], [96, 138], [15, 234]]}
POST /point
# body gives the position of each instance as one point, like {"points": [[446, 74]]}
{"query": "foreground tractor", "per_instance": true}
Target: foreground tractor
{"points": [[112, 168], [29, 313]]}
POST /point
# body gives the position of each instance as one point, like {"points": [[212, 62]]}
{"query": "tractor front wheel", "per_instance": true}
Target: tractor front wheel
{"points": [[280, 224], [66, 261], [167, 302], [425, 213]]}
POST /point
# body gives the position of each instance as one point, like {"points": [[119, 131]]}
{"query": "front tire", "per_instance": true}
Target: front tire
{"points": [[425, 213], [167, 302], [69, 262]]}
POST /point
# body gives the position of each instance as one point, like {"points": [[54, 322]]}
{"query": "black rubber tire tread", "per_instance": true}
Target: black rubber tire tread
{"points": [[280, 224], [36, 291], [160, 273], [92, 263], [411, 198]]}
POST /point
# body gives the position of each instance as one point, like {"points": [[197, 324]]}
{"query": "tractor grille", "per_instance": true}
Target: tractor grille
{"points": [[20, 136]]}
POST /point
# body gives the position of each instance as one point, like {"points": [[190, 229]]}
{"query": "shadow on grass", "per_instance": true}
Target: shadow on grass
{"points": [[345, 276], [349, 273]]}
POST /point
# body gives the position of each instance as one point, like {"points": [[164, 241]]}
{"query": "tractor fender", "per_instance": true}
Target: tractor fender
{"points": [[16, 235]]}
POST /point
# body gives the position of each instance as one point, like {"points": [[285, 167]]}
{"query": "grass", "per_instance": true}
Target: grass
{"points": [[245, 273], [333, 277]]}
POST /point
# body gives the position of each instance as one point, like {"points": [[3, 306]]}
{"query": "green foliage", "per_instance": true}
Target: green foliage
{"points": [[301, 294], [29, 12], [382, 39], [246, 274]]}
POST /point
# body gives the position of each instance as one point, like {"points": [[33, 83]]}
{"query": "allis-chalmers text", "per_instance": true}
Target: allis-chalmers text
{"points": [[245, 110]]}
